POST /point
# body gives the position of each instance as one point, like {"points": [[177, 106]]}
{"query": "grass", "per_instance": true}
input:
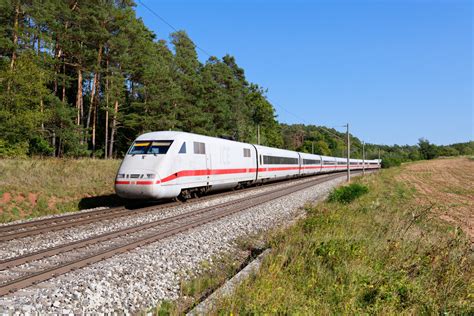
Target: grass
{"points": [[212, 274], [35, 187], [347, 193], [387, 252]]}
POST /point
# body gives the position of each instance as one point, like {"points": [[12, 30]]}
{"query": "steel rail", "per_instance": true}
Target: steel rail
{"points": [[11, 227], [47, 226], [241, 204], [48, 252], [36, 227]]}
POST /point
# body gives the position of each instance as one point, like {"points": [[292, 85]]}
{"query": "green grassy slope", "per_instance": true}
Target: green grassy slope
{"points": [[34, 187], [386, 253]]}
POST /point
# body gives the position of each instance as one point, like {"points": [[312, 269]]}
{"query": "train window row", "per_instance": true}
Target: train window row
{"points": [[275, 160], [199, 148], [311, 162], [329, 162]]}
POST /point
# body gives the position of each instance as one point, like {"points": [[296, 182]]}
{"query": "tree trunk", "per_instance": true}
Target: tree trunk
{"points": [[94, 123], [42, 110], [114, 128], [53, 141], [93, 104], [60, 145], [106, 107], [38, 41], [15, 33], [56, 56], [64, 83], [93, 89], [79, 99], [106, 132]]}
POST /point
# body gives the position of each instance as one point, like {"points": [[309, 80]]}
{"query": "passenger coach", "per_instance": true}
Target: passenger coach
{"points": [[178, 164]]}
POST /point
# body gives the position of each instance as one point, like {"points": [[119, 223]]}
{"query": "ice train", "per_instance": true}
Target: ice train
{"points": [[177, 164]]}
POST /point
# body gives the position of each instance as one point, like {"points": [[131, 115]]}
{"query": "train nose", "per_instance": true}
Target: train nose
{"points": [[137, 184]]}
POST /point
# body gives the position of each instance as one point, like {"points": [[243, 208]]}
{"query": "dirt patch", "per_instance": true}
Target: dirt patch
{"points": [[448, 184], [33, 198], [6, 197]]}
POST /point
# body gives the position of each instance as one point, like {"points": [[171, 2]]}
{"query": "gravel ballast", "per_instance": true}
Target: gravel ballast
{"points": [[141, 278]]}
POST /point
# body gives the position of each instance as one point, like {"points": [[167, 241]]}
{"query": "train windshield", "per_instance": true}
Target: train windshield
{"points": [[150, 147]]}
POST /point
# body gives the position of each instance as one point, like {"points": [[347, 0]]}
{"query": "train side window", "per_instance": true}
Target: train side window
{"points": [[246, 152], [260, 159], [275, 160], [182, 150], [199, 148], [311, 162]]}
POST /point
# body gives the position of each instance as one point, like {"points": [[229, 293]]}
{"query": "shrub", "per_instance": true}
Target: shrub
{"points": [[391, 162], [348, 193], [17, 150], [40, 146]]}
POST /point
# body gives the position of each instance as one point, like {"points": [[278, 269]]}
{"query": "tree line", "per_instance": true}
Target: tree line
{"points": [[328, 141], [84, 78]]}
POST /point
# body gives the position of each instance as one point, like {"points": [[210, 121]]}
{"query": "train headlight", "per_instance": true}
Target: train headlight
{"points": [[120, 175], [150, 176]]}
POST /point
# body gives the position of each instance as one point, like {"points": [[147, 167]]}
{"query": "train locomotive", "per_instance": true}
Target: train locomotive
{"points": [[182, 165]]}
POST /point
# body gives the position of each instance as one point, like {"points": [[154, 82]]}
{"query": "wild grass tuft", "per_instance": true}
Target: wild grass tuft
{"points": [[348, 193]]}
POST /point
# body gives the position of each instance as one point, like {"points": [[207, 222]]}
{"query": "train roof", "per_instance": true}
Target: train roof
{"points": [[173, 135], [160, 135]]}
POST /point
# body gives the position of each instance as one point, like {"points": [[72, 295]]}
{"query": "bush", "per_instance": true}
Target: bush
{"points": [[348, 193], [40, 146], [17, 150], [391, 162]]}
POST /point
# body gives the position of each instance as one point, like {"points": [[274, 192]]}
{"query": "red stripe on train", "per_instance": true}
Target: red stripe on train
{"points": [[144, 182], [205, 172], [122, 182]]}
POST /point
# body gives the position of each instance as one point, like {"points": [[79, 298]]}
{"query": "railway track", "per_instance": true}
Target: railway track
{"points": [[75, 255], [36, 227]]}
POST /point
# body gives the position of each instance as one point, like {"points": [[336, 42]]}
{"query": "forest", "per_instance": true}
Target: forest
{"points": [[84, 78]]}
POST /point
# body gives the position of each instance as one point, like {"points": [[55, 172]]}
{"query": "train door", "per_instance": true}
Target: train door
{"points": [[300, 163], [200, 164]]}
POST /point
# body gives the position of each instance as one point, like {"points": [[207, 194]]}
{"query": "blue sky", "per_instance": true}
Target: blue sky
{"points": [[395, 70]]}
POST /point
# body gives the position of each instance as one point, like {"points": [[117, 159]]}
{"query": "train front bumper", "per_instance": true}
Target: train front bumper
{"points": [[143, 185], [137, 189]]}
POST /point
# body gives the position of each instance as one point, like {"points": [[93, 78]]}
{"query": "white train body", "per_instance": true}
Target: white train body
{"points": [[168, 164]]}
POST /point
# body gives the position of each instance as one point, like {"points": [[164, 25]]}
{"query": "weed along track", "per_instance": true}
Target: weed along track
{"points": [[35, 267]]}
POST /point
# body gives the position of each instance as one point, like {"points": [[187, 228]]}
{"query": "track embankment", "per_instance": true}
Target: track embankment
{"points": [[34, 187], [148, 254]]}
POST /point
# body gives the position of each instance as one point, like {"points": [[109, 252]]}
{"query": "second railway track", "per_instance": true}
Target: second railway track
{"points": [[81, 253]]}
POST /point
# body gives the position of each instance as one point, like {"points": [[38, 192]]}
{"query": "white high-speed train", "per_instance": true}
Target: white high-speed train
{"points": [[178, 164]]}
